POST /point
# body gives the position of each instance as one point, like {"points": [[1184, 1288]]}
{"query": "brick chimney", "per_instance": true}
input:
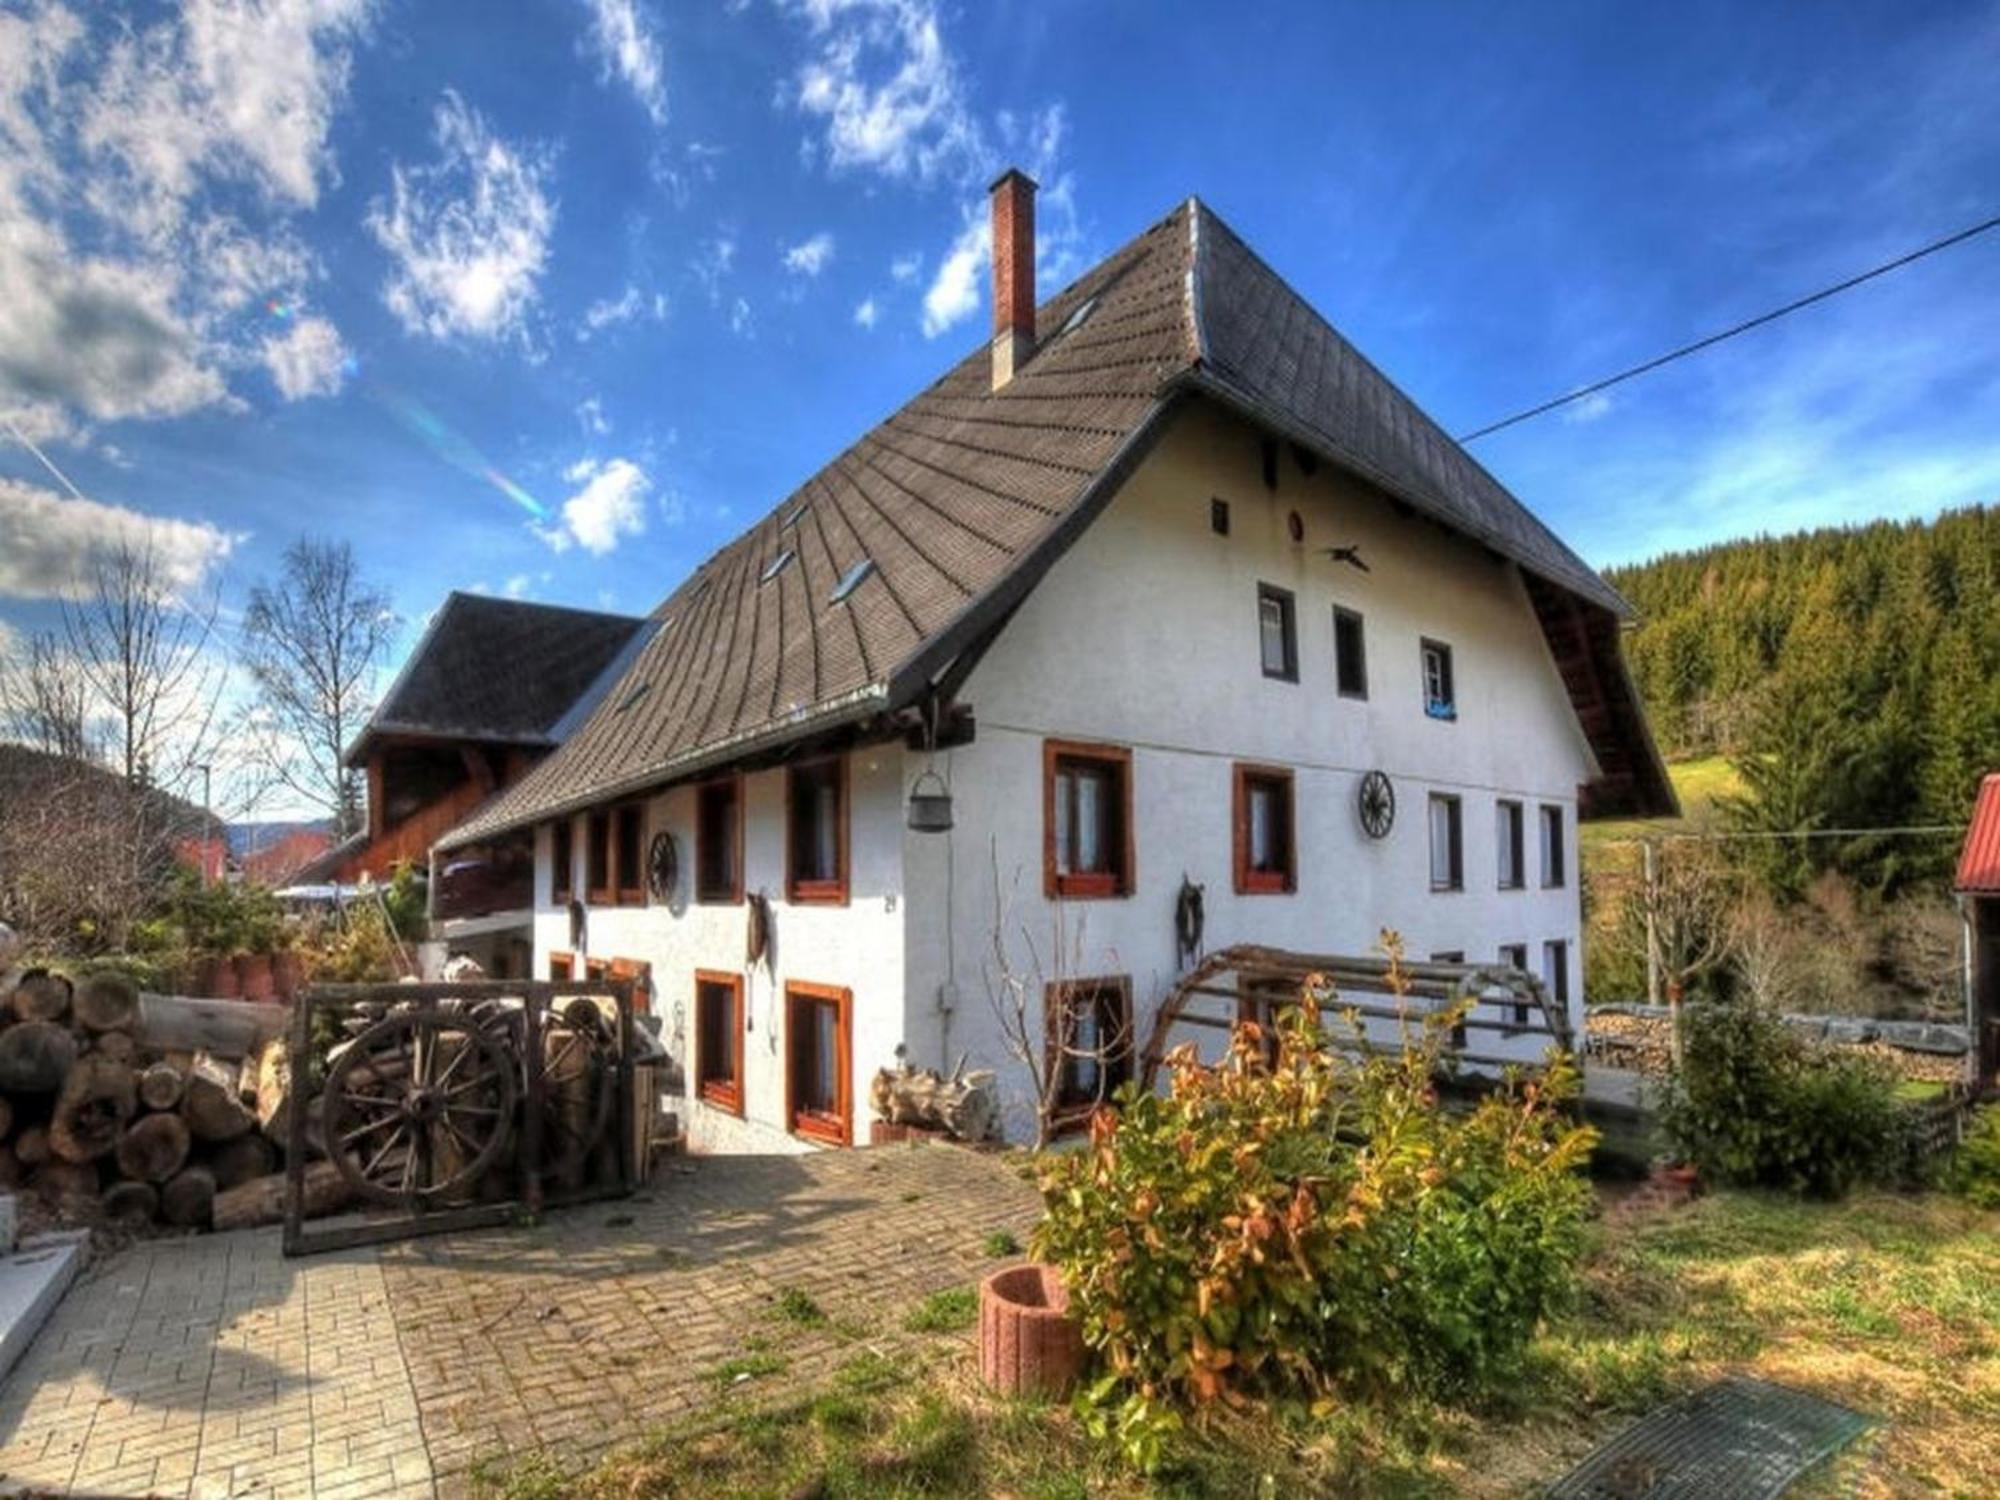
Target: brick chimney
{"points": [[1013, 273]]}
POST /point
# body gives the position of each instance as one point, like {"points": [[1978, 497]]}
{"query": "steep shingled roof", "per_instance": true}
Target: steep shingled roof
{"points": [[965, 497], [500, 670]]}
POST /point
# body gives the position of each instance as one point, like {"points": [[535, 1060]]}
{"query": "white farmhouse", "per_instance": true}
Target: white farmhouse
{"points": [[1147, 588]]}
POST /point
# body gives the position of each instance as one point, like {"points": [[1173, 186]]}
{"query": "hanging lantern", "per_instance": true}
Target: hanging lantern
{"points": [[930, 804]]}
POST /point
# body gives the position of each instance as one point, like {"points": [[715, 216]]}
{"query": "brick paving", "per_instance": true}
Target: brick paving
{"points": [[212, 1366]]}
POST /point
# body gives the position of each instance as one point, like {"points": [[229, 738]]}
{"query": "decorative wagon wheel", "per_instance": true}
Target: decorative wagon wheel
{"points": [[418, 1107], [578, 1075], [663, 867], [1375, 801]]}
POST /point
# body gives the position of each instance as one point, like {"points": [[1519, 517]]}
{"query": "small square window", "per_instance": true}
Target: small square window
{"points": [[1265, 847], [1090, 1045], [1087, 820], [1440, 695], [1507, 840], [1552, 847], [1350, 654], [1447, 843], [718, 841], [1218, 517], [1277, 633]]}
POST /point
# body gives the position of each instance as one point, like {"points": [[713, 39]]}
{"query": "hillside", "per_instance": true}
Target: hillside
{"points": [[1854, 672]]}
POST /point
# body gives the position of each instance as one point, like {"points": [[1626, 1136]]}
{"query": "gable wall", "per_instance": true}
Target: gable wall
{"points": [[1145, 635]]}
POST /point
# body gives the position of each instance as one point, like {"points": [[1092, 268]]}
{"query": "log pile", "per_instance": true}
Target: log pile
{"points": [[107, 1117]]}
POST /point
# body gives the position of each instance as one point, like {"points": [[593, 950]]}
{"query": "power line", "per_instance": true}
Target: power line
{"points": [[1729, 333], [1934, 830]]}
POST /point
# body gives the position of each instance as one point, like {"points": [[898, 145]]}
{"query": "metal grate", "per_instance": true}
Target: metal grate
{"points": [[1741, 1438]]}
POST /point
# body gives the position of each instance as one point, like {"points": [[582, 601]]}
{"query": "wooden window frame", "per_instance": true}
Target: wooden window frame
{"points": [[1056, 1002], [704, 894], [599, 895], [1554, 846], [628, 886], [562, 860], [1252, 882], [1444, 710], [562, 967], [641, 974], [1109, 885], [716, 1094], [1511, 836], [818, 892], [1342, 614], [1521, 1016], [829, 1130], [595, 969], [1455, 875], [1288, 606], [1556, 981]]}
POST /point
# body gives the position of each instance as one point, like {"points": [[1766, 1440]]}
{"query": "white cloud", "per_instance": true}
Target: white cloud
{"points": [[741, 323], [608, 506], [622, 37], [309, 360], [590, 415], [609, 312], [905, 267], [48, 542], [867, 313], [810, 257], [130, 290], [517, 586], [885, 87], [954, 292], [714, 263], [1589, 409], [469, 233]]}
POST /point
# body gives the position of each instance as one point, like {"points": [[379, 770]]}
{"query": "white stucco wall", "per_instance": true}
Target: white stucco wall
{"points": [[1145, 635], [859, 945]]}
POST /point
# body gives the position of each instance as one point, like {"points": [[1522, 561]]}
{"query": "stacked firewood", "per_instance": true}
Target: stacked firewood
{"points": [[107, 1124]]}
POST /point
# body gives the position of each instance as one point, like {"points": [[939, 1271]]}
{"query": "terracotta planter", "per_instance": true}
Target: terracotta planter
{"points": [[1029, 1345], [253, 976], [216, 978], [288, 973]]}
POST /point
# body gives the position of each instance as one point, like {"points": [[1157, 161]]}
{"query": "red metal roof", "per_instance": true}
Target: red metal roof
{"points": [[1979, 863]]}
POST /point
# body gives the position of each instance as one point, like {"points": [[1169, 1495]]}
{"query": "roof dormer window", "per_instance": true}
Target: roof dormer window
{"points": [[777, 566]]}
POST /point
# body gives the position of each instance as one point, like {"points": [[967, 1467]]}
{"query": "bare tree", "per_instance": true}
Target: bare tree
{"points": [[45, 701], [312, 644], [1685, 903], [1056, 1045], [142, 655]]}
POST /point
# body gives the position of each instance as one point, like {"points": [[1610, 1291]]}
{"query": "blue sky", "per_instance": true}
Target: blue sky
{"points": [[552, 297]]}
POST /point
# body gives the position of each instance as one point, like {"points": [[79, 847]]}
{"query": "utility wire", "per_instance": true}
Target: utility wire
{"points": [[1935, 830], [1729, 333]]}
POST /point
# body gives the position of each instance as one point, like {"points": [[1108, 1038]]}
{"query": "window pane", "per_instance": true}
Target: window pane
{"points": [[1552, 846], [826, 830], [718, 1033], [1440, 841], [1350, 663], [1065, 796], [1271, 626], [1090, 808], [1087, 1040]]}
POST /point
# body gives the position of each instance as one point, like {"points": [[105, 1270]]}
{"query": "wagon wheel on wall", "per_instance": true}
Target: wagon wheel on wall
{"points": [[579, 1078], [418, 1107]]}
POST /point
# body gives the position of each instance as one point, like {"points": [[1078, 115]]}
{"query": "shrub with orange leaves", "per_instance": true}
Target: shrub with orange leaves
{"points": [[1306, 1218]]}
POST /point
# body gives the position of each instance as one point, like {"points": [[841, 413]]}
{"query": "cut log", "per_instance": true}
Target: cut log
{"points": [[210, 1105], [6, 1116], [272, 1071], [160, 1086], [68, 1185], [241, 1160], [188, 1200], [132, 1203], [10, 1168], [962, 1105], [40, 996], [225, 1028], [116, 1045], [32, 1145], [153, 1148], [35, 1057], [262, 1201], [107, 1002], [96, 1101]]}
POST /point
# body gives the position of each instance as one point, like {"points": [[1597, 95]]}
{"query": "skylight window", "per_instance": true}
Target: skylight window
{"points": [[797, 515], [1075, 319], [852, 579], [777, 566], [632, 698]]}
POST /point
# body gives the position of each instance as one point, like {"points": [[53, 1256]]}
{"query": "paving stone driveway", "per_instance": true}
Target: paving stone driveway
{"points": [[212, 1366]]}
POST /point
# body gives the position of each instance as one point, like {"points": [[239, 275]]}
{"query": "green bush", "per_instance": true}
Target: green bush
{"points": [[1308, 1222], [1755, 1104], [1974, 1173]]}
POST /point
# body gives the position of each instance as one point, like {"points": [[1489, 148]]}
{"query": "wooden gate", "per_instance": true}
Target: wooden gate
{"points": [[458, 1106]]}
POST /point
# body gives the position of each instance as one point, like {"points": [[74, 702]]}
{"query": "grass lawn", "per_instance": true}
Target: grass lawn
{"points": [[1888, 1303], [1698, 783]]}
